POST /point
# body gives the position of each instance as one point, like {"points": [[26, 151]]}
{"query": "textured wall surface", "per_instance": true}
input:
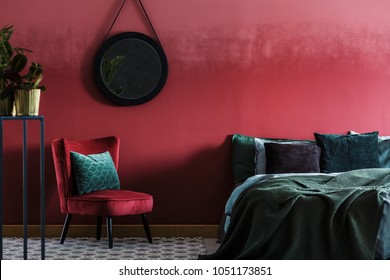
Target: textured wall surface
{"points": [[264, 68]]}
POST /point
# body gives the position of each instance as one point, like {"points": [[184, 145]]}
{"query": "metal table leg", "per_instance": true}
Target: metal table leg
{"points": [[42, 167], [25, 183], [1, 190]]}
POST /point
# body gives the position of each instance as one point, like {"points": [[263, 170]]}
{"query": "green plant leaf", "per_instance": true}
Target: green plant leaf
{"points": [[6, 51], [119, 91], [6, 32], [117, 61], [12, 62], [34, 72], [19, 62], [110, 67]]}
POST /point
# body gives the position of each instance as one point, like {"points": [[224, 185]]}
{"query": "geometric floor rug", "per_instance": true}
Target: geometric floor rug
{"points": [[85, 248]]}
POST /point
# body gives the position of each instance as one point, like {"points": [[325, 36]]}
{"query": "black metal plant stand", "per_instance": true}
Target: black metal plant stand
{"points": [[25, 119]]}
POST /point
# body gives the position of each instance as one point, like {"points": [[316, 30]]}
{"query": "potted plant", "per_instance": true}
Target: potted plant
{"points": [[23, 90], [6, 57]]}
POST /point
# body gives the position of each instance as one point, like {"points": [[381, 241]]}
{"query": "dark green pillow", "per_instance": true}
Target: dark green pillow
{"points": [[94, 172], [341, 153], [384, 151], [243, 157]]}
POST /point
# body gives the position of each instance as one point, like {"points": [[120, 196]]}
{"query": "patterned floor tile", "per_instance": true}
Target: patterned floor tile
{"points": [[178, 248]]}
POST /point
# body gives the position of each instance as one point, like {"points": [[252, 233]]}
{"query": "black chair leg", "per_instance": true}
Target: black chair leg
{"points": [[109, 232], [65, 228], [98, 227], [146, 228]]}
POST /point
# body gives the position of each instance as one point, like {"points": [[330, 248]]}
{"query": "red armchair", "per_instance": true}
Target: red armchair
{"points": [[100, 203]]}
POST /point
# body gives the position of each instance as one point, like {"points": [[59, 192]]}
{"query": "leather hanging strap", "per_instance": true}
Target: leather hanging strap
{"points": [[150, 23], [145, 13], [116, 17]]}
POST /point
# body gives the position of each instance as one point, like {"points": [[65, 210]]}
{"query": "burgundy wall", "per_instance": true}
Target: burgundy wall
{"points": [[267, 68]]}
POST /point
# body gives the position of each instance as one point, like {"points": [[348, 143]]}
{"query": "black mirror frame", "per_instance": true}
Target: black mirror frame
{"points": [[149, 95]]}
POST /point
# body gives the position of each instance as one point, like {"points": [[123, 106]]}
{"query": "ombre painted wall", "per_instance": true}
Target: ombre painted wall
{"points": [[276, 68]]}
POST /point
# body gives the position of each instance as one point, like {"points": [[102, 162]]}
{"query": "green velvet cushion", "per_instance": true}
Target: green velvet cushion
{"points": [[341, 153], [243, 157], [384, 151], [94, 172]]}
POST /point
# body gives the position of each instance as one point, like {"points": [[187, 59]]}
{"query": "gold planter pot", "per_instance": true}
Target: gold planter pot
{"points": [[7, 106], [27, 102]]}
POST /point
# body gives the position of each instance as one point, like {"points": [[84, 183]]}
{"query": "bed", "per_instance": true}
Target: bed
{"points": [[327, 198]]}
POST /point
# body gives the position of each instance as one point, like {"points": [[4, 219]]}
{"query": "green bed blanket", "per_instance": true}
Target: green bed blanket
{"points": [[307, 217]]}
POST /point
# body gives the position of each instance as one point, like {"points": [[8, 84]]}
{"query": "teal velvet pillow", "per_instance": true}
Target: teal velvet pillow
{"points": [[94, 172], [341, 153], [383, 150]]}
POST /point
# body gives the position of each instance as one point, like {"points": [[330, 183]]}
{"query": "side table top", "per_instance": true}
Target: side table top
{"points": [[21, 117]]}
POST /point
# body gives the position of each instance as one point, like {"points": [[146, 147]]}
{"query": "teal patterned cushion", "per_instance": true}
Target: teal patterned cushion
{"points": [[94, 172]]}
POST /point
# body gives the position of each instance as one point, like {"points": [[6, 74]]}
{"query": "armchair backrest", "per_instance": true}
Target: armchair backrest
{"points": [[61, 149]]}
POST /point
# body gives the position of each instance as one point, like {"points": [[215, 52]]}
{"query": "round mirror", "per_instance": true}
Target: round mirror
{"points": [[130, 68]]}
